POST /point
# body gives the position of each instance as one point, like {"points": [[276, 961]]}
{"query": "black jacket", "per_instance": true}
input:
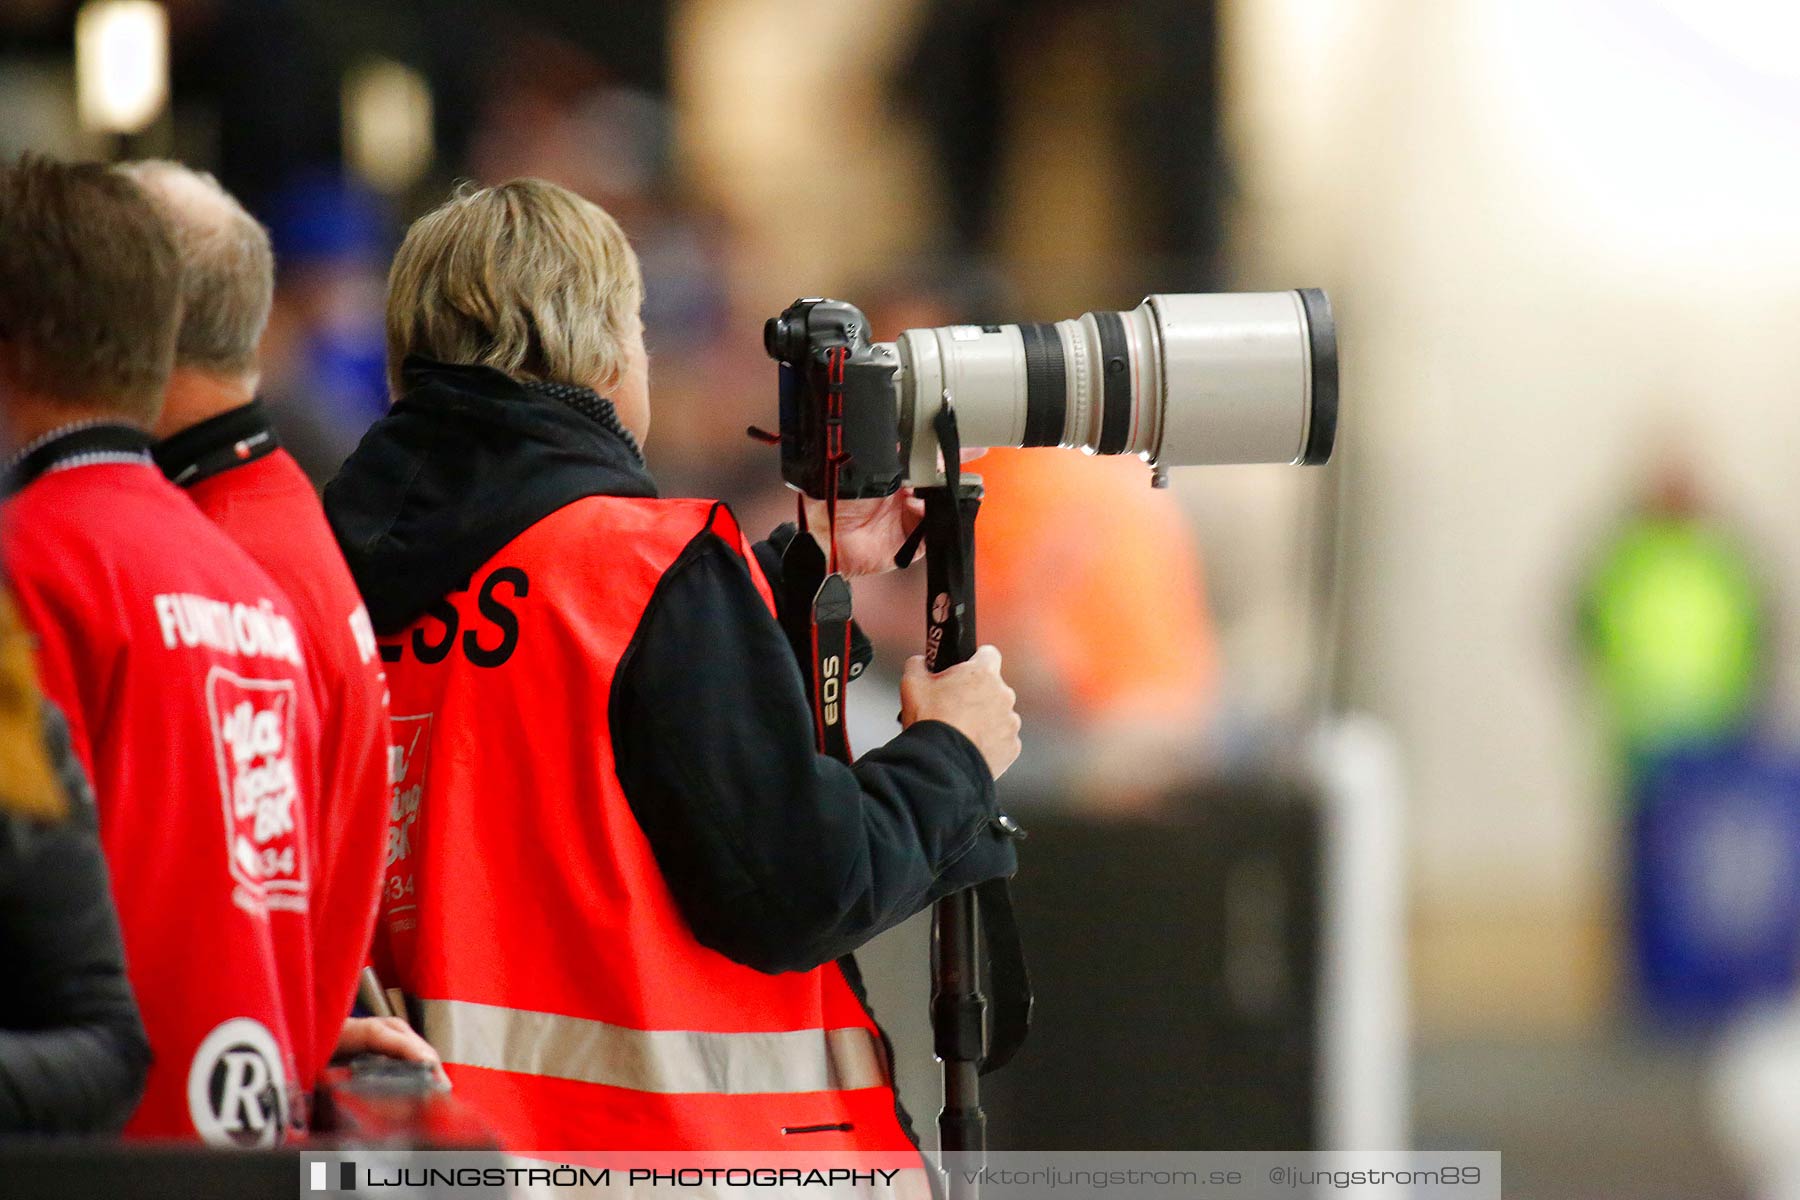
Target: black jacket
{"points": [[715, 751], [72, 1050]]}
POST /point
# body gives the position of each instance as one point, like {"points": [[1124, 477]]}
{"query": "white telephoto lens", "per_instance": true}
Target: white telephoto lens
{"points": [[1181, 380]]}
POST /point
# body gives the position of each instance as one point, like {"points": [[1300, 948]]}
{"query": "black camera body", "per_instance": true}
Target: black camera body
{"points": [[839, 401]]}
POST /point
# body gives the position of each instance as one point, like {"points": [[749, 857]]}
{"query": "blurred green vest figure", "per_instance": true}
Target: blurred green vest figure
{"points": [[1673, 622]]}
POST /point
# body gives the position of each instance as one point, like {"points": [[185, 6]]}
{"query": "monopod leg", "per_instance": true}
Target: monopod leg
{"points": [[958, 1007], [958, 1014]]}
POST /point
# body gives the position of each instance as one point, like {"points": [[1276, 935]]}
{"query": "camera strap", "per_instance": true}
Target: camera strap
{"points": [[815, 616], [813, 586], [831, 665]]}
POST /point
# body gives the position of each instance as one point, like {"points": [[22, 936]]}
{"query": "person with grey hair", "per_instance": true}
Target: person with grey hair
{"points": [[217, 442]]}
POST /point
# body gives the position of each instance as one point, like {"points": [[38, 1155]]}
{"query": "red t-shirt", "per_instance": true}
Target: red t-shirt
{"points": [[181, 667], [268, 506]]}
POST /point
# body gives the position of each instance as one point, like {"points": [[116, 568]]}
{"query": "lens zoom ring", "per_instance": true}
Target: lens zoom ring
{"points": [[1046, 385], [1115, 375]]}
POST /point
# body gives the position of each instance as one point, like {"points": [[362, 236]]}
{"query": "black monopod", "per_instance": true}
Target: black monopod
{"points": [[967, 922]]}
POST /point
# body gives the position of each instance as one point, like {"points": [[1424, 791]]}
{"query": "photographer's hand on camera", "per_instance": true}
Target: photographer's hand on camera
{"points": [[869, 532], [971, 698]]}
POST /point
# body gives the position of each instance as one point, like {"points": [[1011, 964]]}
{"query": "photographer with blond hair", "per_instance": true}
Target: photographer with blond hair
{"points": [[623, 884]]}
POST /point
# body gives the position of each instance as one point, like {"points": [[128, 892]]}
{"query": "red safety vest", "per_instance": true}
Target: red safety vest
{"points": [[524, 914], [181, 667]]}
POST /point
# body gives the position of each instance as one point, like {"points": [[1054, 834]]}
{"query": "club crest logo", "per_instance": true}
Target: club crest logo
{"points": [[406, 782], [253, 742]]}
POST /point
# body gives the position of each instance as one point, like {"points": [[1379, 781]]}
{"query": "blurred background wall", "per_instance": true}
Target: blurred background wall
{"points": [[1567, 235]]}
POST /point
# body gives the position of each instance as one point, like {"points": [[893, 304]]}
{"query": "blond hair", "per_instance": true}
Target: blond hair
{"points": [[526, 277]]}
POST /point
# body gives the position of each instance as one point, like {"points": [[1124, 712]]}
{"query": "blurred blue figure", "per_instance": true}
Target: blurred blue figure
{"points": [[1676, 631], [1715, 879], [326, 353]]}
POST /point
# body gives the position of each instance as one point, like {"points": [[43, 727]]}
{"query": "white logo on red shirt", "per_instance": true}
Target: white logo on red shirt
{"points": [[253, 739], [248, 631], [237, 1089], [406, 777]]}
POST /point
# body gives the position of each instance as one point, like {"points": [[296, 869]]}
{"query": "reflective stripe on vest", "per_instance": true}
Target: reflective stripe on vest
{"points": [[666, 1061]]}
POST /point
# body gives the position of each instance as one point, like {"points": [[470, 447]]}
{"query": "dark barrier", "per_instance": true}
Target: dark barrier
{"points": [[111, 1171], [1176, 971], [395, 1107]]}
